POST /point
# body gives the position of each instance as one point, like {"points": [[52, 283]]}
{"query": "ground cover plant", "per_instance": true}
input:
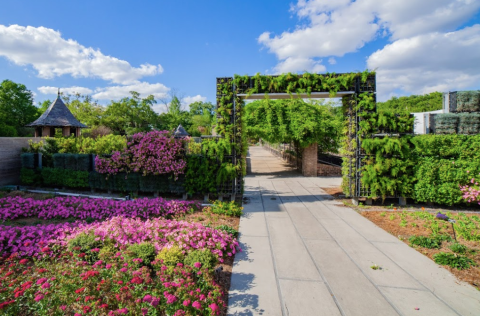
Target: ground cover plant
{"points": [[431, 233], [131, 260]]}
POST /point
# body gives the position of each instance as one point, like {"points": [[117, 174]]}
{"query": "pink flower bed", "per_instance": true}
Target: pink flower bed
{"points": [[155, 152], [83, 208], [471, 192], [163, 233], [30, 240]]}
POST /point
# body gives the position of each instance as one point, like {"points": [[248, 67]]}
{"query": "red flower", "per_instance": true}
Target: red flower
{"points": [[23, 261], [137, 280], [79, 290]]}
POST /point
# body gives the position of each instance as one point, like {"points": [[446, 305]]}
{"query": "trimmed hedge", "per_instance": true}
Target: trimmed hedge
{"points": [[28, 160]]}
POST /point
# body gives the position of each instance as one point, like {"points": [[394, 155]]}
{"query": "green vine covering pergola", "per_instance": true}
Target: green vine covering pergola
{"points": [[358, 92]]}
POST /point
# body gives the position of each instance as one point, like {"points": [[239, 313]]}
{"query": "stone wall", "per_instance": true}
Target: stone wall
{"points": [[10, 165], [324, 170], [309, 160]]}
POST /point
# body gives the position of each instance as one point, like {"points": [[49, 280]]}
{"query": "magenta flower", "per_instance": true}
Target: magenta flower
{"points": [[197, 305]]}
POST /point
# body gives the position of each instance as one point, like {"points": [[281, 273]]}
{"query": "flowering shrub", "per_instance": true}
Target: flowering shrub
{"points": [[471, 191], [66, 285], [155, 152], [162, 233], [88, 208]]}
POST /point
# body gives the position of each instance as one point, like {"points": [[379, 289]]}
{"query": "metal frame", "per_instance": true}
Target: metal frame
{"points": [[357, 88]]}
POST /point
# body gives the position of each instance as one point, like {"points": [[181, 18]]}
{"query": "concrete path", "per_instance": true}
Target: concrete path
{"points": [[305, 254]]}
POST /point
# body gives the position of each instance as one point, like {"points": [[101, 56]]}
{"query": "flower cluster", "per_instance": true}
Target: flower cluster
{"points": [[471, 192], [163, 233], [88, 208], [155, 152], [67, 285]]}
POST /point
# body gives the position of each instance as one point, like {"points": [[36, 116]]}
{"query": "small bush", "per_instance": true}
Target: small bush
{"points": [[225, 208], [144, 251], [426, 242], [228, 229], [29, 176], [83, 244], [107, 252], [205, 257], [458, 248], [453, 260], [171, 256]]}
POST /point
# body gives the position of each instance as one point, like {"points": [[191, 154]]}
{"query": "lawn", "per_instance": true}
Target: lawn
{"points": [[80, 256]]}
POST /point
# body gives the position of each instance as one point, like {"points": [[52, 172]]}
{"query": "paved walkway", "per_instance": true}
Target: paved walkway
{"points": [[305, 254]]}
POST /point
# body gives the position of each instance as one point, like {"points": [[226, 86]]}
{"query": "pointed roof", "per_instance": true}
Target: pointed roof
{"points": [[57, 114], [180, 132]]}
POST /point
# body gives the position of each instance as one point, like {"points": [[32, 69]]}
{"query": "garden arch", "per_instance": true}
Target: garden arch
{"points": [[358, 92]]}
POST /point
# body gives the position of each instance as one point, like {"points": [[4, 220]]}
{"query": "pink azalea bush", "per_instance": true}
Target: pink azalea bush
{"points": [[155, 152], [88, 208]]}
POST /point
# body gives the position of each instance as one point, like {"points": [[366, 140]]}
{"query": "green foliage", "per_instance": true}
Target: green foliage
{"points": [[171, 256], [468, 101], [16, 109], [84, 243], [413, 103], [458, 248], [144, 251], [28, 160], [228, 229], [284, 121], [438, 180], [453, 260], [225, 208], [131, 115], [30, 176], [425, 242], [7, 130], [205, 257], [65, 177], [200, 175]]}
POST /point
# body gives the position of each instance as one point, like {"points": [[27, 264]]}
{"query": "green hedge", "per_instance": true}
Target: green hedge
{"points": [[28, 160], [65, 177], [427, 168], [79, 162]]}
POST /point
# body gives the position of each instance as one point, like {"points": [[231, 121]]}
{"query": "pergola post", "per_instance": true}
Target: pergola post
{"points": [[309, 160]]}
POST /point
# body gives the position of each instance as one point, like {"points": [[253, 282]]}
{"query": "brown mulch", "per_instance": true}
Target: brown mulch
{"points": [[336, 192], [471, 275]]}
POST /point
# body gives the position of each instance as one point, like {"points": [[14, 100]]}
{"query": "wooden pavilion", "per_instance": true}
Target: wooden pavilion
{"points": [[57, 116]]}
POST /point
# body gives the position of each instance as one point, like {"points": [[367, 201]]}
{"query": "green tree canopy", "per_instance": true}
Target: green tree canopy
{"points": [[412, 104], [131, 115], [283, 121], [16, 107]]}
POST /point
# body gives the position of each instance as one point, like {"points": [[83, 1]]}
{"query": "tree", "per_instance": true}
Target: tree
{"points": [[84, 109], [131, 115], [16, 107], [202, 118]]}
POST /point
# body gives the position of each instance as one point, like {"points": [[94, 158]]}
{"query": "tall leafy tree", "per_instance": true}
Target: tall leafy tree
{"points": [[131, 115], [16, 107], [84, 109], [202, 118]]}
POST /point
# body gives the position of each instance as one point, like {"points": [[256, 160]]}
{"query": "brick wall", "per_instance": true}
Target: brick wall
{"points": [[324, 170], [309, 160], [10, 150]]}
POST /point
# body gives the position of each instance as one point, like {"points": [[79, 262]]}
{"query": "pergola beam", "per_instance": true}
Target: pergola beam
{"points": [[284, 96]]}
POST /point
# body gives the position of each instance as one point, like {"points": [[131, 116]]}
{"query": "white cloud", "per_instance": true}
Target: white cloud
{"points": [[68, 90], [332, 61], [158, 90], [189, 100], [429, 62], [292, 64], [51, 56], [335, 28]]}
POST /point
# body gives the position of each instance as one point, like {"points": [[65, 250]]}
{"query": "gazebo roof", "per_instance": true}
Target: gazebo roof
{"points": [[59, 115], [180, 132]]}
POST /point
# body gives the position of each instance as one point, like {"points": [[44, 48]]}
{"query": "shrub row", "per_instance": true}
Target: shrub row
{"points": [[122, 182]]}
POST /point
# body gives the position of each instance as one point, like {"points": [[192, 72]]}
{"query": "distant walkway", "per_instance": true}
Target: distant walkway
{"points": [[305, 254]]}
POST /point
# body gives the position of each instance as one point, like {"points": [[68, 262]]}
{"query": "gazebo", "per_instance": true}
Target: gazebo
{"points": [[57, 116]]}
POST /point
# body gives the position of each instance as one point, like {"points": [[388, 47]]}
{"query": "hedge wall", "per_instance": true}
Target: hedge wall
{"points": [[427, 168]]}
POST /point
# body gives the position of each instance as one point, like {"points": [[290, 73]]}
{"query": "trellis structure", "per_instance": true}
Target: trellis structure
{"points": [[353, 88]]}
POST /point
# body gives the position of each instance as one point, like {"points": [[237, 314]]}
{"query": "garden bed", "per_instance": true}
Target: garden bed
{"points": [[83, 256], [404, 225]]}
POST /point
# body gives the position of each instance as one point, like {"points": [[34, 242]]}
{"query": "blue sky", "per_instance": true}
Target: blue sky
{"points": [[99, 47]]}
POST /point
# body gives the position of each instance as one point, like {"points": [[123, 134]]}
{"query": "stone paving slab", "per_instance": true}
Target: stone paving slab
{"points": [[307, 298], [307, 255]]}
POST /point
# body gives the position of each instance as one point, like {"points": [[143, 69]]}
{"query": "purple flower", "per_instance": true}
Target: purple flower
{"points": [[442, 216]]}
